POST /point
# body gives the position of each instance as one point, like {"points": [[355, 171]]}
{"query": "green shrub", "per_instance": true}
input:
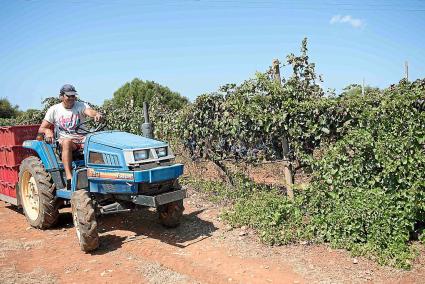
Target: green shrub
{"points": [[277, 220], [263, 208], [368, 190], [367, 193]]}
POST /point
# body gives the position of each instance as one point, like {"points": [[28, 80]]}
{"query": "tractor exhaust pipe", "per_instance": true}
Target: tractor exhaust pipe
{"points": [[146, 126]]}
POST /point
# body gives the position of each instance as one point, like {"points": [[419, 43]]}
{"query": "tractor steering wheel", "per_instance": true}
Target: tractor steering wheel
{"points": [[97, 126]]}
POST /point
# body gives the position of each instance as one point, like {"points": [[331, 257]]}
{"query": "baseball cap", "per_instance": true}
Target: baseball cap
{"points": [[68, 90]]}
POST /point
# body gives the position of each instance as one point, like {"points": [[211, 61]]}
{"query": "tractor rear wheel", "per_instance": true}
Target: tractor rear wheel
{"points": [[84, 217], [170, 214], [37, 194]]}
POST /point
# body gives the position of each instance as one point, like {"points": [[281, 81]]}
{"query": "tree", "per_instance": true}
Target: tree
{"points": [[7, 110], [304, 79], [139, 91], [35, 116], [356, 90]]}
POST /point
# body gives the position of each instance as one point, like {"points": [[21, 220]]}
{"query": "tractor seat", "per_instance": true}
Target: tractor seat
{"points": [[76, 155]]}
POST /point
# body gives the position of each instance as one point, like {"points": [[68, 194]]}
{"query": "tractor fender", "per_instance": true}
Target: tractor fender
{"points": [[45, 153]]}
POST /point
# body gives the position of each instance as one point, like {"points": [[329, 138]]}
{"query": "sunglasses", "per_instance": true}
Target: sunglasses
{"points": [[70, 96]]}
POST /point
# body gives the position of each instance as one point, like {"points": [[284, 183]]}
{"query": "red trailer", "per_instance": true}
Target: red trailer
{"points": [[11, 155]]}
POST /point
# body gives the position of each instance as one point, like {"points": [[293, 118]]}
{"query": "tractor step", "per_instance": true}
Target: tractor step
{"points": [[157, 200]]}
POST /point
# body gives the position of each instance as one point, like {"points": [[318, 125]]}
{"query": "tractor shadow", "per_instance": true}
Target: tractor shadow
{"points": [[144, 224], [138, 225], [64, 221], [15, 208]]}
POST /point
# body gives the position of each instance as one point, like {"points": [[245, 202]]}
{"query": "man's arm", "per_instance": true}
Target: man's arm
{"points": [[93, 113], [46, 129]]}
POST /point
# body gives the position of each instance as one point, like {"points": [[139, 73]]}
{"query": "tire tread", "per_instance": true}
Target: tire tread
{"points": [[49, 205], [82, 205]]}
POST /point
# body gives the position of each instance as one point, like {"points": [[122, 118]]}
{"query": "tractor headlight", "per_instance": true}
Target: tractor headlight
{"points": [[161, 152], [141, 155]]}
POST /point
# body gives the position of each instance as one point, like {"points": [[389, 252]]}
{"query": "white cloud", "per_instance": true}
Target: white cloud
{"points": [[347, 19]]}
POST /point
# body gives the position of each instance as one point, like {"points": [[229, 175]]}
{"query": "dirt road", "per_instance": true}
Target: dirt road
{"points": [[136, 249]]}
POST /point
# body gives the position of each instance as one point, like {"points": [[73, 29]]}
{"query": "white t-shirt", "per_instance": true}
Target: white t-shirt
{"points": [[66, 120]]}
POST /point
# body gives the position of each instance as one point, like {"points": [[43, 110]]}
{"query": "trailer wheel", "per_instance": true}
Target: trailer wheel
{"points": [[170, 214], [37, 194], [84, 217]]}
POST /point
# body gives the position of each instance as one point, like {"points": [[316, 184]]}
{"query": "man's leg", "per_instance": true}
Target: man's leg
{"points": [[67, 148]]}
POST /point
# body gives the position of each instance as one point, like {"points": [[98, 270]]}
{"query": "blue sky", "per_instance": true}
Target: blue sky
{"points": [[193, 47]]}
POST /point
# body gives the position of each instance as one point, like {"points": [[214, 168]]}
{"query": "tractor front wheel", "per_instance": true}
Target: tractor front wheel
{"points": [[84, 217], [37, 194], [169, 214]]}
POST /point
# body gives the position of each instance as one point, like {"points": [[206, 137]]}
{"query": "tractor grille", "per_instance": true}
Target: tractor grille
{"points": [[111, 160], [151, 165], [155, 188]]}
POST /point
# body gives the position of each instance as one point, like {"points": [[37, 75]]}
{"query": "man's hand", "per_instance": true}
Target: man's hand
{"points": [[98, 117], [46, 128], [48, 136]]}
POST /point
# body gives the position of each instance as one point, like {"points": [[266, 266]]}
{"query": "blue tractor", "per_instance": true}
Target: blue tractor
{"points": [[117, 172]]}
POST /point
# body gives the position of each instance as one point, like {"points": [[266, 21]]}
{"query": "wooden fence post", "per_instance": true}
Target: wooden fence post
{"points": [[285, 146]]}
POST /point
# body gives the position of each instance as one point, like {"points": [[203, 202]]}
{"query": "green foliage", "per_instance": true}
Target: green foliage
{"points": [[31, 116], [422, 238], [7, 110], [168, 123], [124, 119], [217, 192], [356, 90], [367, 194], [249, 121], [303, 79], [277, 220], [139, 91], [7, 121], [368, 190], [165, 120], [263, 208], [164, 106]]}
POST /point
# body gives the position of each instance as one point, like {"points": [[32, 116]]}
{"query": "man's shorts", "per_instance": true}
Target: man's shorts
{"points": [[79, 142]]}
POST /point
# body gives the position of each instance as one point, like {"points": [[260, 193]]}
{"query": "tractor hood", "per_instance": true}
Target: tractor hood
{"points": [[123, 140]]}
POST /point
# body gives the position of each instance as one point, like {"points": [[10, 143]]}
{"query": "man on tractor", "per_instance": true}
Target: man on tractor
{"points": [[65, 117]]}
